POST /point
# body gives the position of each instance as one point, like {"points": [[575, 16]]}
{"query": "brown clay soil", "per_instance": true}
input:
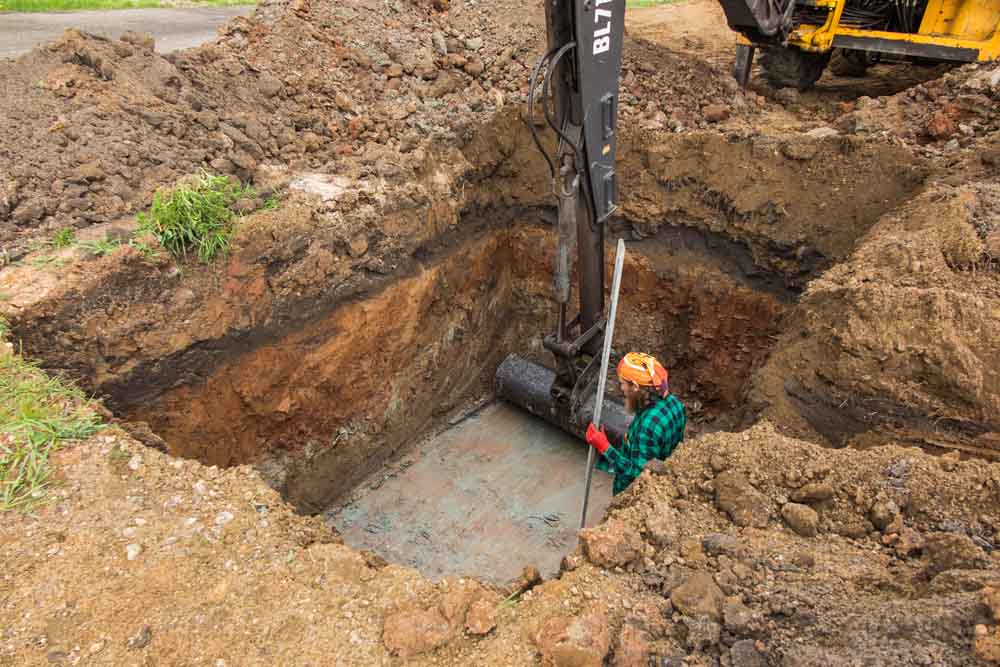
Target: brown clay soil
{"points": [[819, 271]]}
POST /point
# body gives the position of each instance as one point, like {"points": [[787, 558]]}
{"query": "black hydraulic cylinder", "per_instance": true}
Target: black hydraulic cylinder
{"points": [[529, 385]]}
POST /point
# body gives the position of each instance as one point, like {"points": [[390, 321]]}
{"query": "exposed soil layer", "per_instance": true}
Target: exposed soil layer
{"points": [[273, 349], [900, 342]]}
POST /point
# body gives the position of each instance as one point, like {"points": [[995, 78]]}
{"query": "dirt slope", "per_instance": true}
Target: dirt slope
{"points": [[143, 558]]}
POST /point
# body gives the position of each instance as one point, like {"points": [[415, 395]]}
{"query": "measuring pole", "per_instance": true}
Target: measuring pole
{"points": [[603, 378]]}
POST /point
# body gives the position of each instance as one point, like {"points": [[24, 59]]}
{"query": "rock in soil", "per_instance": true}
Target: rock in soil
{"points": [[612, 544], [699, 596], [800, 518], [574, 641], [744, 504], [408, 634]]}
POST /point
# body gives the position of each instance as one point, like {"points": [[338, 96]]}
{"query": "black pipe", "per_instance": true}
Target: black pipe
{"points": [[529, 386]]}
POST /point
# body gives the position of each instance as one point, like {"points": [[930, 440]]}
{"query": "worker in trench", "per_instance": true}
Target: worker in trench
{"points": [[657, 424]]}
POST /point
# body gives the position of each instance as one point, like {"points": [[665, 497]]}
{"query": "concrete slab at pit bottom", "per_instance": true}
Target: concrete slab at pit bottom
{"points": [[500, 490]]}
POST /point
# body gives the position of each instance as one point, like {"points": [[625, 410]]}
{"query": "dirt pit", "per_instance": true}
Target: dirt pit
{"points": [[344, 328]]}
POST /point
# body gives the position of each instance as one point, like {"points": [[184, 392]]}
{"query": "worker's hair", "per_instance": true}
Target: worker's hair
{"points": [[646, 397]]}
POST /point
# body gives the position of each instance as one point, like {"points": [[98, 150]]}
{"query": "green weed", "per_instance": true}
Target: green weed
{"points": [[64, 238], [45, 261], [144, 249], [195, 216], [101, 248], [271, 204], [37, 414]]}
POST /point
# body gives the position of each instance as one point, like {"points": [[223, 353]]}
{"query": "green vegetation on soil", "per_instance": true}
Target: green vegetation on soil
{"points": [[79, 5], [196, 216], [37, 415], [64, 238]]}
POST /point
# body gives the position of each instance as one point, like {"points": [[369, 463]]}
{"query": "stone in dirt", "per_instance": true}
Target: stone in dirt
{"points": [[716, 113], [717, 544], [633, 647], [612, 544], [699, 596], [456, 602], [410, 633], [991, 598], [822, 133], [579, 641], [909, 542], [800, 518], [737, 617], [143, 40], [951, 551], [661, 525], [744, 504], [481, 617], [787, 96], [941, 126], [530, 577], [815, 492], [141, 638], [986, 645], [702, 632], [883, 513], [744, 653]]}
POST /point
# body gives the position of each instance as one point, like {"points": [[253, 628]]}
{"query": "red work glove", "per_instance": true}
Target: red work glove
{"points": [[597, 439]]}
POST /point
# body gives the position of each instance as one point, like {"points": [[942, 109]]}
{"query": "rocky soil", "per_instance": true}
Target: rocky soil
{"points": [[817, 269], [744, 549]]}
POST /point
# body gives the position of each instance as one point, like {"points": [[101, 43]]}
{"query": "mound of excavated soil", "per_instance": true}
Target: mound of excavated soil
{"points": [[92, 127], [751, 548], [901, 339], [957, 110]]}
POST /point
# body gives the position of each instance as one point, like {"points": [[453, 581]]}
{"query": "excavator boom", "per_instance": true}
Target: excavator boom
{"points": [[576, 86]]}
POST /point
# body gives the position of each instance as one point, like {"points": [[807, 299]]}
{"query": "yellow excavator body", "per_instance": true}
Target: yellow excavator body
{"points": [[800, 36]]}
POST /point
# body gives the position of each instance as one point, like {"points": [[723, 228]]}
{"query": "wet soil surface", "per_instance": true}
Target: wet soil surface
{"points": [[496, 491]]}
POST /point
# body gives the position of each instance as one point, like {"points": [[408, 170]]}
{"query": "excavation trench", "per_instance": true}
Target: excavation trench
{"points": [[364, 413], [355, 369]]}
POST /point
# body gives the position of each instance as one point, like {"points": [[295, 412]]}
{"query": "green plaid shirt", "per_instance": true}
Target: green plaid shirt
{"points": [[653, 434]]}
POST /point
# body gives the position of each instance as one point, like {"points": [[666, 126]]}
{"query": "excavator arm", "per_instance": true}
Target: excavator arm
{"points": [[574, 87]]}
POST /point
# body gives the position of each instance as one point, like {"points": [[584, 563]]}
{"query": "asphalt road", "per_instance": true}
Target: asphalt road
{"points": [[173, 28]]}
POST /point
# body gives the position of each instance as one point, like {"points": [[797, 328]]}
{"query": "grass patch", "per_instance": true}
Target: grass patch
{"points": [[101, 248], [196, 216], [37, 414], [80, 5], [64, 238]]}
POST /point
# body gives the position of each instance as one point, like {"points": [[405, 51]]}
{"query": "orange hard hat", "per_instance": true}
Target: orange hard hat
{"points": [[645, 371]]}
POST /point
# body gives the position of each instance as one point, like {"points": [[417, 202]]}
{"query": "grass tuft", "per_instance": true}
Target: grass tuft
{"points": [[64, 238], [101, 248], [78, 5], [37, 414], [195, 216]]}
